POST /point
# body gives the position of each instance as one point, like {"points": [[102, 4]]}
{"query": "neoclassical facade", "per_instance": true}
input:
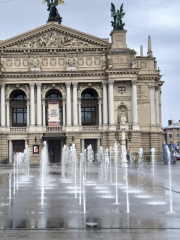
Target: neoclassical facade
{"points": [[65, 86]]}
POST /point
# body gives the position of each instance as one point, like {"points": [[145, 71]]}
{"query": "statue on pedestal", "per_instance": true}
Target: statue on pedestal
{"points": [[122, 117], [53, 12], [117, 24]]}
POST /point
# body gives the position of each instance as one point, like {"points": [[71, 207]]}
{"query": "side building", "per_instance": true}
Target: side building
{"points": [[65, 86], [172, 133]]}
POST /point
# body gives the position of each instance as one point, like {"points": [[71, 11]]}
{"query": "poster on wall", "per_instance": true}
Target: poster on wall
{"points": [[53, 113]]}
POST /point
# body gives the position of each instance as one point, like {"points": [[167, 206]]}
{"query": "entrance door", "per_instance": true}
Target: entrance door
{"points": [[18, 146], [54, 151], [93, 143]]}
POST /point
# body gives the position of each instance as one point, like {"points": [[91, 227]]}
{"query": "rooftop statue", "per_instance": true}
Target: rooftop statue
{"points": [[117, 24], [53, 12]]}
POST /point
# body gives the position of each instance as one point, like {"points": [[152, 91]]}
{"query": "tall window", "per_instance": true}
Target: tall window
{"points": [[19, 117], [170, 135], [19, 97], [88, 115]]}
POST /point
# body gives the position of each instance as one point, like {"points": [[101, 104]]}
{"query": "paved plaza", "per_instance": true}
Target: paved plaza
{"points": [[62, 217]]}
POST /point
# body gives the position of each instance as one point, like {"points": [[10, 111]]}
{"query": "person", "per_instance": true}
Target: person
{"points": [[128, 156]]}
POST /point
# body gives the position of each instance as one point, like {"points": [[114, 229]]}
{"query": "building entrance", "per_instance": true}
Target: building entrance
{"points": [[54, 147], [93, 143], [18, 146]]}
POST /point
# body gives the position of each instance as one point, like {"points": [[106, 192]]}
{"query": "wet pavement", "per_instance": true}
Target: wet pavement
{"points": [[62, 217]]}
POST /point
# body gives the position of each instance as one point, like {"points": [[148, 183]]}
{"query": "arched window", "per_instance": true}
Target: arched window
{"points": [[54, 95], [19, 108], [88, 107]]}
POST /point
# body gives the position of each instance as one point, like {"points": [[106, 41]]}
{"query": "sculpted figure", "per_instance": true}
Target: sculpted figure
{"points": [[35, 62], [117, 24], [1, 65], [122, 117], [71, 61], [53, 12]]}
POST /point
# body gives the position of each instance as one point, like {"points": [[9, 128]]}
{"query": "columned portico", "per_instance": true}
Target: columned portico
{"points": [[3, 105], [44, 112], [100, 112], [32, 104], [39, 106], [105, 104], [68, 104], [152, 88], [7, 114], [79, 111], [111, 102], [28, 113], [75, 110], [157, 105], [64, 113], [134, 105]]}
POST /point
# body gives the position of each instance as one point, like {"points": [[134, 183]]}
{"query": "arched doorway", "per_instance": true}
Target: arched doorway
{"points": [[89, 107], [18, 106], [54, 117]]}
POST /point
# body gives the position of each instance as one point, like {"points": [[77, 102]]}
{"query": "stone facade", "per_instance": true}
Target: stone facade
{"points": [[54, 60]]}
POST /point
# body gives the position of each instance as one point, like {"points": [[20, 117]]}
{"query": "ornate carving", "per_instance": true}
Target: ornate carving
{"points": [[71, 61], [9, 62], [80, 61], [89, 61], [47, 87], [1, 65], [109, 61], [53, 62], [61, 62], [35, 62], [122, 117], [44, 62], [11, 88], [97, 87], [97, 61], [17, 62], [52, 39], [142, 92], [25, 62], [143, 64]]}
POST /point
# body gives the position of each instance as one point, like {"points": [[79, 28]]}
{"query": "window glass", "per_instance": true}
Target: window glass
{"points": [[88, 116], [170, 135]]}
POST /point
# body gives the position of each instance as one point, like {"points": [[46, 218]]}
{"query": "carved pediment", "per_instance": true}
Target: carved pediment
{"points": [[53, 36]]}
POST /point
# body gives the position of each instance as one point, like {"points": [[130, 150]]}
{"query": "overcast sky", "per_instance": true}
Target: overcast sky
{"points": [[158, 18]]}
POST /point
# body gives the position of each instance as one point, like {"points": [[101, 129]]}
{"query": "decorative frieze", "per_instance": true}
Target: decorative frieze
{"points": [[142, 92]]}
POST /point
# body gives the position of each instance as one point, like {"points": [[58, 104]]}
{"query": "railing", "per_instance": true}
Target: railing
{"points": [[129, 127], [89, 128], [53, 129], [18, 129]]}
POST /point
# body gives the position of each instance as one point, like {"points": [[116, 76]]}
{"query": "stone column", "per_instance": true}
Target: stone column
{"points": [[134, 105], [44, 112], [82, 141], [157, 105], [98, 144], [28, 117], [100, 113], [75, 110], [68, 103], [10, 153], [32, 105], [79, 109], [152, 88], [64, 113], [39, 106], [7, 114], [3, 105], [105, 104], [111, 102]]}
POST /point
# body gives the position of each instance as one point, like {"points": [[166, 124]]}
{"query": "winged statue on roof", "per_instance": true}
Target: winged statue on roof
{"points": [[52, 8], [117, 15]]}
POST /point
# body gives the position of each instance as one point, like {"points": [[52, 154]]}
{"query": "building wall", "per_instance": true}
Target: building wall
{"points": [[90, 63]]}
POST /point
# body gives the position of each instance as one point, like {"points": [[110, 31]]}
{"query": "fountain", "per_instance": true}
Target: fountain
{"points": [[108, 178], [170, 178]]}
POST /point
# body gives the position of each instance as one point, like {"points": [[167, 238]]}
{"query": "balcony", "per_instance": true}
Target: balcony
{"points": [[18, 129], [53, 129], [90, 128]]}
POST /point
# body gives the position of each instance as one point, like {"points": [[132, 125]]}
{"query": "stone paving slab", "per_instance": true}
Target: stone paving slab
{"points": [[125, 234]]}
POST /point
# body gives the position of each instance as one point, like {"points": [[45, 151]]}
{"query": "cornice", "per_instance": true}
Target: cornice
{"points": [[122, 71], [51, 74]]}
